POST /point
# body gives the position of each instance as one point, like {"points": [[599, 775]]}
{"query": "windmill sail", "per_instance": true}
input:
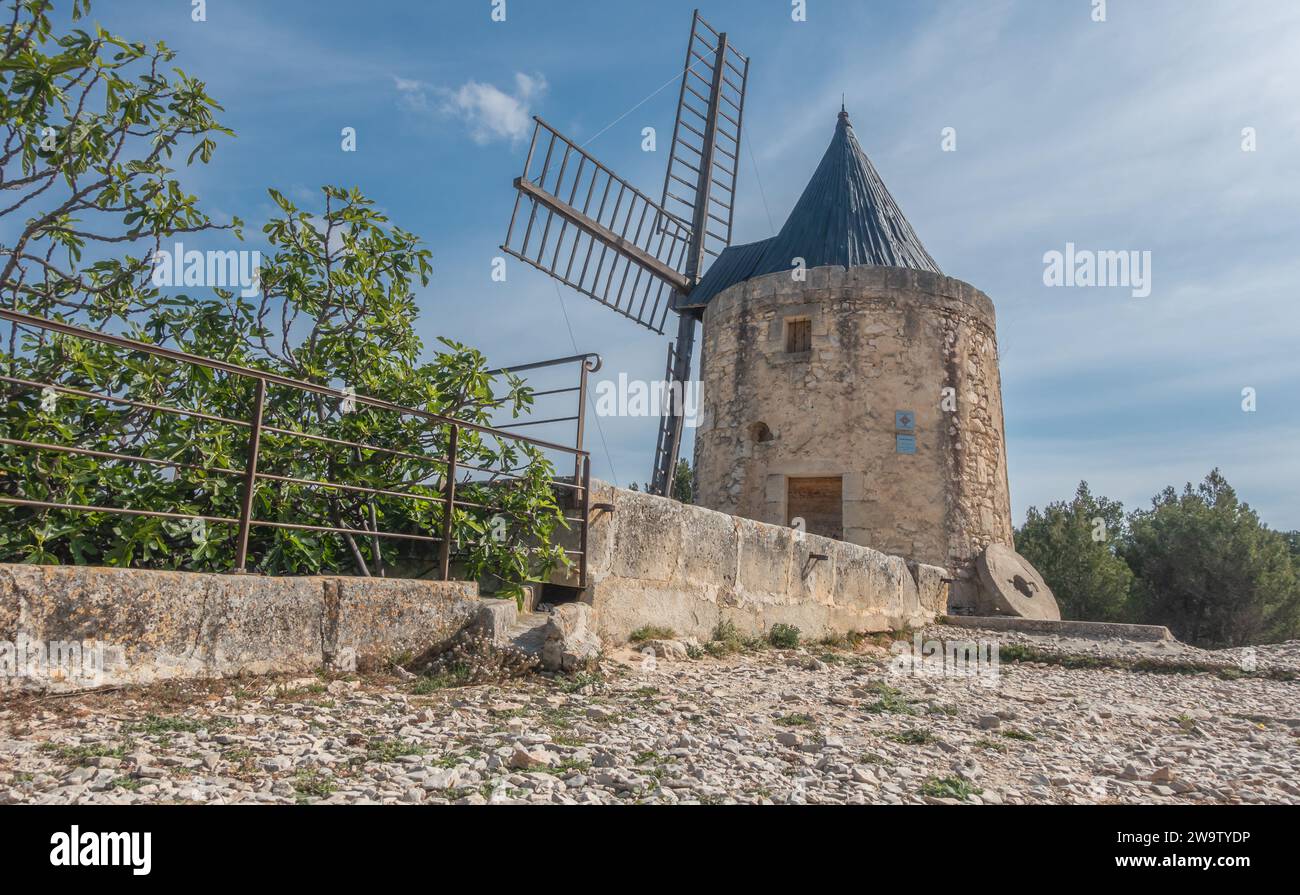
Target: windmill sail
{"points": [[578, 221], [589, 228], [700, 181]]}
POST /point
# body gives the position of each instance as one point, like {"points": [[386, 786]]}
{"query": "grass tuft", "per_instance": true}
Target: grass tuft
{"points": [[728, 641], [384, 751], [652, 632], [913, 737], [312, 784], [949, 788], [795, 720]]}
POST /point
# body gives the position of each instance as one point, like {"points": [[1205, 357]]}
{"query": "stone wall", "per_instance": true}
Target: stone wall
{"points": [[654, 561], [883, 340], [159, 625]]}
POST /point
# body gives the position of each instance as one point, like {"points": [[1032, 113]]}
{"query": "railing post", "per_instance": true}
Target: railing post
{"points": [[582, 418], [250, 477], [449, 505], [586, 519]]}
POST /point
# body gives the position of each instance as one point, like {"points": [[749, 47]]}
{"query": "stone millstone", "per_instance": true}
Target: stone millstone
{"points": [[1011, 586]]}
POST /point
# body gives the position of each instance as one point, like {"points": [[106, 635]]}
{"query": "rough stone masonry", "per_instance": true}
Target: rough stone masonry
{"points": [[882, 341], [850, 388]]}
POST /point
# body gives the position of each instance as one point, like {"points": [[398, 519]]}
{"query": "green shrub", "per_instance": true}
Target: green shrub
{"points": [[335, 306], [728, 640], [783, 636]]}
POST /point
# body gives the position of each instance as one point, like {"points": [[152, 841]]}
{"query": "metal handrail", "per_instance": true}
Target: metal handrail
{"points": [[588, 363], [252, 475], [590, 360]]}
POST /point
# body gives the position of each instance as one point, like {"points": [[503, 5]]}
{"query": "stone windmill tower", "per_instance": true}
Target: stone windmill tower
{"points": [[849, 384]]}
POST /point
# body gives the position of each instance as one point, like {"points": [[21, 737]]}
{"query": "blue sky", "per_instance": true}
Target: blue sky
{"points": [[1124, 134]]}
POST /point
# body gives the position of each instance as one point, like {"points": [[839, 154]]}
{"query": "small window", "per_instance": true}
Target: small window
{"points": [[798, 336], [760, 433]]}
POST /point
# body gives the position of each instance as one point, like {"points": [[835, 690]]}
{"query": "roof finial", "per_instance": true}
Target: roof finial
{"points": [[844, 114]]}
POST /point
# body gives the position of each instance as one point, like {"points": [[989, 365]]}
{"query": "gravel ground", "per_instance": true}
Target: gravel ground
{"points": [[816, 725], [1281, 657]]}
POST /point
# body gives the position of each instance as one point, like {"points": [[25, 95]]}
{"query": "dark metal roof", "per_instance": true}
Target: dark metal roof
{"points": [[845, 218], [734, 265]]}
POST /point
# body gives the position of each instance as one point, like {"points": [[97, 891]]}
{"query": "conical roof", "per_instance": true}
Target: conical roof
{"points": [[845, 217]]}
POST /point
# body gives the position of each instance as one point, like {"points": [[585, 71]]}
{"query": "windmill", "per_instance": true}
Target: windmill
{"points": [[579, 222]]}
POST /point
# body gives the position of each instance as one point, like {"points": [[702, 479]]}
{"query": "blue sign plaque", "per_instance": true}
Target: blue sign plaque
{"points": [[905, 444], [905, 420]]}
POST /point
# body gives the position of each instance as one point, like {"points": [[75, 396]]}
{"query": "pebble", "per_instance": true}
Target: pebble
{"points": [[764, 728]]}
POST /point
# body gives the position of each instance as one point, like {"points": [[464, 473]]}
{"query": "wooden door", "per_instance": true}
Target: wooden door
{"points": [[819, 502]]}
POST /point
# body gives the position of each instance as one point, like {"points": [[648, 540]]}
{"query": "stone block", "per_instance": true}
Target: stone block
{"points": [[383, 619], [495, 620], [872, 582], [931, 587], [622, 605], [755, 575], [813, 580], [647, 537], [571, 642], [158, 625], [710, 549], [766, 553]]}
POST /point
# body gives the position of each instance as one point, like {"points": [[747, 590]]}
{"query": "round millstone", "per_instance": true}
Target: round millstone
{"points": [[1013, 587]]}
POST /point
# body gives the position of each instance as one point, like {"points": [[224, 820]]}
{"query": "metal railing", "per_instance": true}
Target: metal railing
{"points": [[449, 466], [587, 364]]}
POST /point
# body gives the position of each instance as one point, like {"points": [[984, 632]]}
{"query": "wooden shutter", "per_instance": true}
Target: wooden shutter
{"points": [[798, 336]]}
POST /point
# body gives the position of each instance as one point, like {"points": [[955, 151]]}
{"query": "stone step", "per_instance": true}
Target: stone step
{"points": [[528, 634], [1093, 630], [495, 619], [503, 623]]}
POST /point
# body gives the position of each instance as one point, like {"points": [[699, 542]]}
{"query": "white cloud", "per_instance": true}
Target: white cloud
{"points": [[489, 112]]}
